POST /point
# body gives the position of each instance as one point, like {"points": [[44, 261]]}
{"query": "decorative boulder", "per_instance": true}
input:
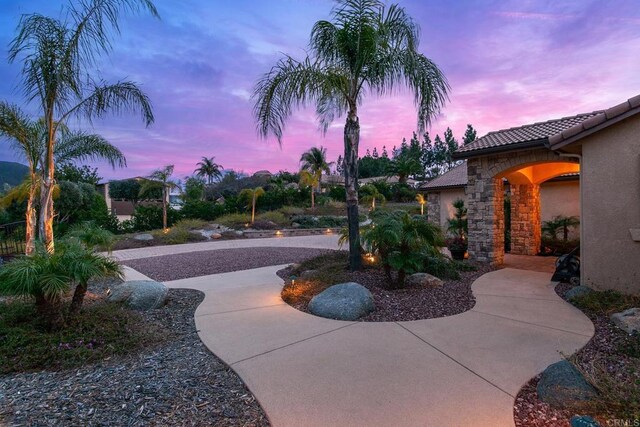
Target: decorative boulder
{"points": [[578, 291], [628, 320], [583, 421], [346, 301], [562, 386], [143, 237], [140, 294], [424, 279]]}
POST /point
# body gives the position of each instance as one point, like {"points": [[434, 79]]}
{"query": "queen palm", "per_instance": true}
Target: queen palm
{"points": [[208, 168], [57, 56], [252, 195], [367, 49], [28, 138], [314, 160], [422, 201], [308, 179]]}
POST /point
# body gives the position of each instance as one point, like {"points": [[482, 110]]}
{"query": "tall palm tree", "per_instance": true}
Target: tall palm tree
{"points": [[29, 139], [367, 49], [57, 56], [209, 169], [160, 178]]}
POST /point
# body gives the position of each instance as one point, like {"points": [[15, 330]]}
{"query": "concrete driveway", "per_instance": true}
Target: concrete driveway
{"points": [[454, 371]]}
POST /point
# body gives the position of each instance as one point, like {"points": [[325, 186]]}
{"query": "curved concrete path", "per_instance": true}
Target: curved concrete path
{"points": [[454, 371]]}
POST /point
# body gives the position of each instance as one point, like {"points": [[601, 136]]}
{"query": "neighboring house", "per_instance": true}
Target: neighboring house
{"points": [[604, 147], [124, 208], [558, 196], [339, 180], [263, 174]]}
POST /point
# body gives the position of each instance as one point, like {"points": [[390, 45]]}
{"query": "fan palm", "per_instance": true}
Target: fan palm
{"points": [[403, 167], [208, 168], [29, 139], [368, 48], [57, 55], [252, 195], [160, 178]]}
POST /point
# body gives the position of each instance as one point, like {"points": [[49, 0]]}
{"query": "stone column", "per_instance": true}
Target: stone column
{"points": [[485, 201], [433, 208], [525, 219]]}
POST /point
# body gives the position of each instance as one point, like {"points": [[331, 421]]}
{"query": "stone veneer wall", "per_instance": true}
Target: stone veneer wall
{"points": [[525, 219], [485, 201], [433, 208]]}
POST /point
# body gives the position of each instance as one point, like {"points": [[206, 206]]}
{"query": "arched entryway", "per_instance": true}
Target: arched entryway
{"points": [[524, 171]]}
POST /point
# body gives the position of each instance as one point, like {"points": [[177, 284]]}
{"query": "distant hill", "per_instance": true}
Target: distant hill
{"points": [[12, 173]]}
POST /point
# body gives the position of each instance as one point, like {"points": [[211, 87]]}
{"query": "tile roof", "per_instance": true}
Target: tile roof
{"points": [[455, 177], [532, 133]]}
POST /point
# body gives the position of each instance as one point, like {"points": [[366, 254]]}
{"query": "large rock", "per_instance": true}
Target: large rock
{"points": [[423, 279], [628, 320], [143, 237], [346, 301], [563, 386], [140, 294], [578, 291]]}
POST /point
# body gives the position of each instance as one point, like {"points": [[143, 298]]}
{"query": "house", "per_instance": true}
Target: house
{"points": [[124, 209], [558, 196], [604, 148]]}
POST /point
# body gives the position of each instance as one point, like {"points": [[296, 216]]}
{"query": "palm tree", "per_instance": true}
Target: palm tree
{"points": [[560, 223], [403, 167], [208, 168], [421, 199], [252, 194], [160, 178], [29, 139], [57, 56], [308, 179], [314, 160], [370, 194], [367, 49]]}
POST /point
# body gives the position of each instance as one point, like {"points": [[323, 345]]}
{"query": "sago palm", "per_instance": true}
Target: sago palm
{"points": [[57, 57], [208, 168], [368, 48]]}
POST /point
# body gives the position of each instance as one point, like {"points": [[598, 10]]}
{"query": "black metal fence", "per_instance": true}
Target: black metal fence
{"points": [[12, 238]]}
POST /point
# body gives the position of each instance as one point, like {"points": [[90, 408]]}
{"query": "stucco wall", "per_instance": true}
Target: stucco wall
{"points": [[447, 197], [610, 190]]}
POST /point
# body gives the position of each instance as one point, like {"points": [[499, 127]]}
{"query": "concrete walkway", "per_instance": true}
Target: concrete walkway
{"points": [[455, 371]]}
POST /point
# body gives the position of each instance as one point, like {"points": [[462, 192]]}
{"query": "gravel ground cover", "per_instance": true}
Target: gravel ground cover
{"points": [[177, 383], [194, 264], [411, 303], [612, 351]]}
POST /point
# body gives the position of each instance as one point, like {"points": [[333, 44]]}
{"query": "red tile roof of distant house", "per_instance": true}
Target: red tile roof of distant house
{"points": [[454, 178]]}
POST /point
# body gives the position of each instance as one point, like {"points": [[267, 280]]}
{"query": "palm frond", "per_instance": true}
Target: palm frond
{"points": [[82, 146]]}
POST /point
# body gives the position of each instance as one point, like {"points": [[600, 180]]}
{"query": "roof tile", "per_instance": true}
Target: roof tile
{"points": [[455, 177]]}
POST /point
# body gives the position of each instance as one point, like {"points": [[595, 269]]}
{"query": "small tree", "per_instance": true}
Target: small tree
{"points": [[208, 168], [252, 195], [160, 178], [458, 226], [308, 179], [370, 194], [422, 201]]}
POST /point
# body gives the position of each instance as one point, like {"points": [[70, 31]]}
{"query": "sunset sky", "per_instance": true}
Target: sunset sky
{"points": [[508, 63]]}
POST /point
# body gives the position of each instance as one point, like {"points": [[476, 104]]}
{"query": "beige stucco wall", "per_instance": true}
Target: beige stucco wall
{"points": [[447, 197], [560, 198], [610, 190]]}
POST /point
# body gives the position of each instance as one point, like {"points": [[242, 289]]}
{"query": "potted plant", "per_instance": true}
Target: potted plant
{"points": [[458, 247], [458, 227]]}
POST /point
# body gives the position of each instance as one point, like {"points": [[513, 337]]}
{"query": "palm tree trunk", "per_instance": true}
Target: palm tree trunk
{"points": [[373, 204], [253, 208], [78, 298], [422, 209], [46, 208], [313, 199], [164, 208], [30, 218], [351, 140]]}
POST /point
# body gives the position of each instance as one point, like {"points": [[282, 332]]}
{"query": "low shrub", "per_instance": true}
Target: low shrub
{"points": [[202, 209], [235, 220], [192, 224], [327, 221], [291, 210], [606, 302], [445, 268], [150, 217], [177, 236], [557, 247], [276, 217], [97, 333]]}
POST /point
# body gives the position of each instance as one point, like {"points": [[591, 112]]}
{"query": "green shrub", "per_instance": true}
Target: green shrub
{"points": [[327, 221], [150, 217], [201, 209], [177, 236], [274, 216], [606, 302], [236, 220], [337, 193], [191, 224], [291, 210]]}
